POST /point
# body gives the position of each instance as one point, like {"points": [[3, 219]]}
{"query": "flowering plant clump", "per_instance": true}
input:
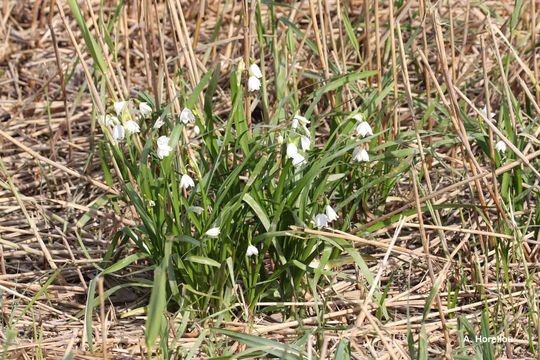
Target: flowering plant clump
{"points": [[218, 204]]}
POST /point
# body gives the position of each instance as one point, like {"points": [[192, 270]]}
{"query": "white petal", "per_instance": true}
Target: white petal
{"points": [[252, 250], [363, 129], [118, 133], [360, 155], [119, 107], [294, 123], [162, 141], [254, 84], [321, 220], [145, 109], [279, 139], [132, 127], [298, 160], [159, 123], [213, 232], [254, 70], [196, 130], [305, 142], [163, 151], [196, 209], [331, 213], [500, 146], [291, 150], [186, 116], [186, 182]]}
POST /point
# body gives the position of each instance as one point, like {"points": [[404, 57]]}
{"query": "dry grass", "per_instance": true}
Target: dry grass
{"points": [[50, 174]]}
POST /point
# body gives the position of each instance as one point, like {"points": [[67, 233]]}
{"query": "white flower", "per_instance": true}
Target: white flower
{"points": [[151, 203], [119, 107], [331, 213], [159, 123], [321, 220], [186, 182], [213, 232], [186, 116], [359, 117], [298, 159], [254, 70], [163, 149], [108, 120], [252, 250], [360, 155], [500, 146], [196, 209], [118, 132], [145, 109], [254, 84], [292, 151], [484, 112], [196, 130], [132, 127], [363, 129], [297, 119], [279, 139], [305, 142]]}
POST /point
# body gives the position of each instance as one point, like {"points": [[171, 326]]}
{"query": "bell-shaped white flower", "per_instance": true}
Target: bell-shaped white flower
{"points": [[363, 129], [252, 250], [186, 116], [159, 123], [321, 220], [213, 232], [119, 107], [298, 159], [490, 116], [292, 150], [145, 109], [500, 146], [118, 133], [132, 127], [186, 182], [254, 84], [305, 142], [196, 130], [298, 119], [254, 70], [163, 149], [331, 213], [196, 209], [360, 155]]}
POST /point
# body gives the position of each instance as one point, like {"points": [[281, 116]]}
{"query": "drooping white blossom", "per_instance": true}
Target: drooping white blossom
{"points": [[364, 129], [254, 70], [186, 182], [305, 142], [159, 123], [132, 127], [360, 155], [119, 107], [331, 213], [292, 150], [145, 109], [299, 120], [213, 232], [163, 149], [321, 220], [186, 116], [118, 133], [254, 84], [252, 250], [500, 146], [490, 116]]}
